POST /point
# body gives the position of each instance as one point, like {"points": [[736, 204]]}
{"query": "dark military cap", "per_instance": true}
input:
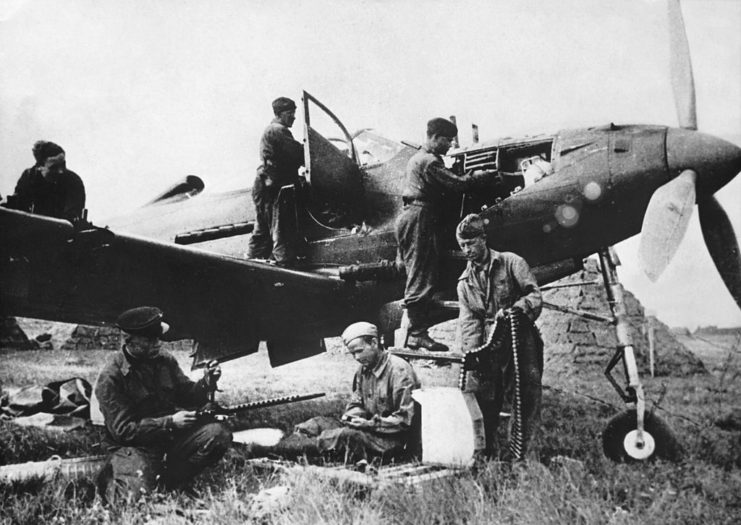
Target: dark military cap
{"points": [[144, 321], [282, 104], [441, 127], [470, 227], [43, 150]]}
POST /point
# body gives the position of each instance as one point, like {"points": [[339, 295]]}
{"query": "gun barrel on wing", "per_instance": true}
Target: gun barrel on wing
{"points": [[214, 411]]}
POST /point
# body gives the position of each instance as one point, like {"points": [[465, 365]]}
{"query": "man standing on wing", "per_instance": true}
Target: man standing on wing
{"points": [[148, 404], [418, 228], [280, 158], [495, 283], [48, 187]]}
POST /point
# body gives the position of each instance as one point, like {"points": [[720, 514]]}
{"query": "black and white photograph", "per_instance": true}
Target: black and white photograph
{"points": [[370, 261]]}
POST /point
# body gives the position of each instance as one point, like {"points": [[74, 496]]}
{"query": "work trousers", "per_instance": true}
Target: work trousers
{"points": [[133, 471], [335, 439], [269, 238], [419, 247], [495, 380]]}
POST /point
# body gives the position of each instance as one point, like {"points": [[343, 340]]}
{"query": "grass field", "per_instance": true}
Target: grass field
{"points": [[568, 481]]}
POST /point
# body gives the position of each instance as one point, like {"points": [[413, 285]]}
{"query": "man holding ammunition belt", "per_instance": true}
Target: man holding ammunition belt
{"points": [[497, 287]]}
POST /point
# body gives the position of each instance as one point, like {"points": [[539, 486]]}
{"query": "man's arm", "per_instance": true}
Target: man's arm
{"points": [[355, 407], [280, 152], [188, 393], [403, 381], [22, 198], [75, 198], [470, 322], [442, 176], [531, 301], [120, 420]]}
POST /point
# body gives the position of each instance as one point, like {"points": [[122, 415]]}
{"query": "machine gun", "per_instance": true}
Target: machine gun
{"points": [[215, 412]]}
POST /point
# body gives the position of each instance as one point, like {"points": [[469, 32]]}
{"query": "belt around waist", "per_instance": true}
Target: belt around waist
{"points": [[416, 202]]}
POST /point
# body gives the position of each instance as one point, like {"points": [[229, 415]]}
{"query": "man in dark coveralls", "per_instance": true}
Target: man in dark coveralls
{"points": [[49, 188], [280, 158], [495, 283], [148, 403], [417, 229]]}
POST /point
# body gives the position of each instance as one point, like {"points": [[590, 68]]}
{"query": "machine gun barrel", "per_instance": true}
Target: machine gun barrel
{"points": [[211, 411]]}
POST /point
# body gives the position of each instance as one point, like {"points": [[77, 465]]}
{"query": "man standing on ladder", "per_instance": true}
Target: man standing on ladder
{"points": [[497, 289]]}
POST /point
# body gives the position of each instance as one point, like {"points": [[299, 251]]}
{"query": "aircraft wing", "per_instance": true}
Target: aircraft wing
{"points": [[50, 270]]}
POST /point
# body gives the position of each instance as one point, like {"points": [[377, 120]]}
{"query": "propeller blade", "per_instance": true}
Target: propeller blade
{"points": [[683, 82], [665, 223], [722, 244]]}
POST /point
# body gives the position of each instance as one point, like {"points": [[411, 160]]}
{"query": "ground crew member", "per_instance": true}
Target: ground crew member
{"points": [[418, 227], [280, 158], [377, 421], [153, 436], [48, 187], [494, 283]]}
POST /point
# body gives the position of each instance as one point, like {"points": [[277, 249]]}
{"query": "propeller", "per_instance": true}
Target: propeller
{"points": [[704, 164], [722, 244], [665, 223], [680, 67]]}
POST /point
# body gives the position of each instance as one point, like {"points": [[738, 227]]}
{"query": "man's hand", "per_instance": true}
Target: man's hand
{"points": [[184, 419], [211, 375], [499, 315], [358, 422]]}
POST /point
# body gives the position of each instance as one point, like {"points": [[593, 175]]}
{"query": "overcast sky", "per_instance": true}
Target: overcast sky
{"points": [[141, 93]]}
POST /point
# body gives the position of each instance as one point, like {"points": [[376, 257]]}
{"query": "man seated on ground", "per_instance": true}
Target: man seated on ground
{"points": [[154, 437], [48, 187], [378, 419]]}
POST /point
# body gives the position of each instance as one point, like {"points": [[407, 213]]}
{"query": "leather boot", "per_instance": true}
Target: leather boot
{"points": [[425, 342]]}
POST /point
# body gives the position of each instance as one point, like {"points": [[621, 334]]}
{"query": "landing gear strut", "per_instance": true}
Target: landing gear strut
{"points": [[633, 435]]}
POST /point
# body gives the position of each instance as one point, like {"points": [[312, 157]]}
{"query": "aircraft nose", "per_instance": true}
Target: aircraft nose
{"points": [[716, 161]]}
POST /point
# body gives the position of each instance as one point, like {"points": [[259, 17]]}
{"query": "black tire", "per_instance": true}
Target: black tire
{"points": [[667, 446]]}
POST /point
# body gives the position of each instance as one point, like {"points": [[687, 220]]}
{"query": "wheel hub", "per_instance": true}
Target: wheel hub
{"points": [[639, 449]]}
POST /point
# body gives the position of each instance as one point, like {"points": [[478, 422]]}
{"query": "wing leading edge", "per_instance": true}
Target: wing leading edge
{"points": [[52, 271]]}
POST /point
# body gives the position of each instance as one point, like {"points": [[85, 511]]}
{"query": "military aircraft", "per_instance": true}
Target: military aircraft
{"points": [[554, 199]]}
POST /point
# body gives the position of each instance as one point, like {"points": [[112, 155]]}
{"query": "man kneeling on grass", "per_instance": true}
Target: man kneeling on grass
{"points": [[154, 437], [377, 420]]}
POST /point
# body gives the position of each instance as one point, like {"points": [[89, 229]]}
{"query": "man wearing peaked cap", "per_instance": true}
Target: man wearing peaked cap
{"points": [[494, 288], [418, 227], [378, 418], [48, 187], [145, 321], [148, 403], [280, 158]]}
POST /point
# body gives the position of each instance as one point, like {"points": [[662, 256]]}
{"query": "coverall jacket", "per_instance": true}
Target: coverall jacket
{"points": [[62, 195], [137, 399], [280, 158], [504, 282], [383, 395], [418, 231]]}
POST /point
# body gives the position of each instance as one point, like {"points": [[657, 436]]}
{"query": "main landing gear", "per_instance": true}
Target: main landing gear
{"points": [[634, 434]]}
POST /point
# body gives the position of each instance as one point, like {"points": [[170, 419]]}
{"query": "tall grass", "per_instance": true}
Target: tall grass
{"points": [[567, 480]]}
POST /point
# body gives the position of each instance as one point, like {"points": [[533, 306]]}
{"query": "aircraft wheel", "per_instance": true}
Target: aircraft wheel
{"points": [[619, 439]]}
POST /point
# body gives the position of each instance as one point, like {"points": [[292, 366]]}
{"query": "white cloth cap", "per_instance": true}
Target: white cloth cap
{"points": [[359, 329]]}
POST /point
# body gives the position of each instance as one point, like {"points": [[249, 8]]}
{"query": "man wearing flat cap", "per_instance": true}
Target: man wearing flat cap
{"points": [[280, 158], [377, 421], [48, 187], [495, 284], [148, 404], [418, 227]]}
